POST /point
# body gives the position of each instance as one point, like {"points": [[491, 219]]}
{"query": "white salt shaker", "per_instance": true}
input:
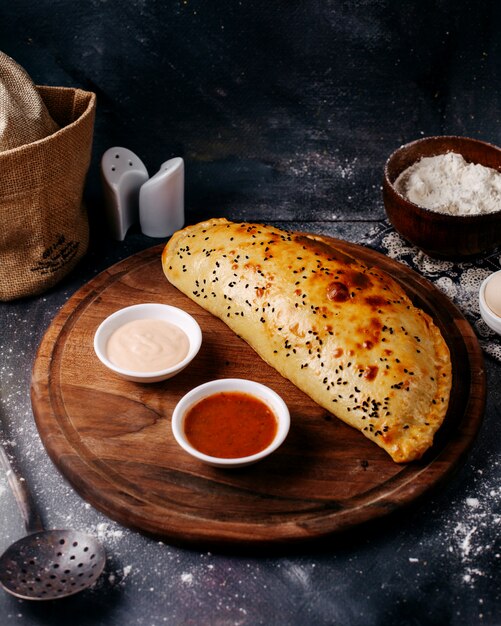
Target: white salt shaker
{"points": [[122, 175], [161, 200]]}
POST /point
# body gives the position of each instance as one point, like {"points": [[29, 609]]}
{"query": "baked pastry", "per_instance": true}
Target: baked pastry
{"points": [[344, 333]]}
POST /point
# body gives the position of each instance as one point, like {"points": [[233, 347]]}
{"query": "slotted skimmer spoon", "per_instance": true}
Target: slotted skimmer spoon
{"points": [[46, 564]]}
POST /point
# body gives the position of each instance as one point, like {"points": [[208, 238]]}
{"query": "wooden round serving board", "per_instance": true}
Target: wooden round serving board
{"points": [[112, 439]]}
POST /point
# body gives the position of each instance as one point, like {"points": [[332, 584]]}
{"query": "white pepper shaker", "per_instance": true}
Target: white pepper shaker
{"points": [[161, 200], [122, 175]]}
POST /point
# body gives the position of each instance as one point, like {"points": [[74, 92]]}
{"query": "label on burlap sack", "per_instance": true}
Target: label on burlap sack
{"points": [[56, 256], [43, 223]]}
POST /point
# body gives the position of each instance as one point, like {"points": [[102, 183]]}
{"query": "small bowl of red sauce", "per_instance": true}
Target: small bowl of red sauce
{"points": [[230, 422]]}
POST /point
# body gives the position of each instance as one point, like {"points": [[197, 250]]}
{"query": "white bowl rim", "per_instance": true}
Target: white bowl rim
{"points": [[195, 338], [489, 316], [220, 385]]}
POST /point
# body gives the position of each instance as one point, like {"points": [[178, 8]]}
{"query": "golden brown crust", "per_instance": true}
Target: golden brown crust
{"points": [[343, 332]]}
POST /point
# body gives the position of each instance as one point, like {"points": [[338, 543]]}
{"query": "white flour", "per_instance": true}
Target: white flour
{"points": [[448, 184]]}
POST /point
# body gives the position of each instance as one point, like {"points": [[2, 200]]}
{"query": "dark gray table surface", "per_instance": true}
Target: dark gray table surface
{"points": [[436, 563], [283, 112]]}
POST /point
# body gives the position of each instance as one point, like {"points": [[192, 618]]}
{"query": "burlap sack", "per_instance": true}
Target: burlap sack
{"points": [[24, 118], [43, 225]]}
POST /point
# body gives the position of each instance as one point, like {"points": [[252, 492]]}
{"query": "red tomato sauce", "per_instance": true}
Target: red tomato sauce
{"points": [[230, 425]]}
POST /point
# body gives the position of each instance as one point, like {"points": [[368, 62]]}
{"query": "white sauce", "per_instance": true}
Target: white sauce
{"points": [[492, 294], [448, 184], [147, 345]]}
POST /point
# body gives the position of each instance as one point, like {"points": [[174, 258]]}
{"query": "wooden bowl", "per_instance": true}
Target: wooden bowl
{"points": [[438, 234]]}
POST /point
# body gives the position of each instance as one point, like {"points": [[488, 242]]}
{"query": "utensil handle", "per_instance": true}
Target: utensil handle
{"points": [[31, 518]]}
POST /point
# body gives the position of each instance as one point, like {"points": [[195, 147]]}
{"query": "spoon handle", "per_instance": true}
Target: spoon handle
{"points": [[32, 521]]}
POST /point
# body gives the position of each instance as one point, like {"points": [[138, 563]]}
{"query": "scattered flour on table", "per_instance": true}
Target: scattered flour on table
{"points": [[118, 577], [311, 164], [448, 184], [468, 533], [105, 531]]}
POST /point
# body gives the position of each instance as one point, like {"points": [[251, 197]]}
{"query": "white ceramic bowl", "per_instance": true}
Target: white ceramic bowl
{"points": [[492, 320], [164, 312], [267, 395]]}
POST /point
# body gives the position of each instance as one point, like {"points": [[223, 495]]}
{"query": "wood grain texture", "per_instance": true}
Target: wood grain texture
{"points": [[112, 440]]}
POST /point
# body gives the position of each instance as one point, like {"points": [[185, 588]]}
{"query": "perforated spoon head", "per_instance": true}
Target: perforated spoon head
{"points": [[51, 564]]}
